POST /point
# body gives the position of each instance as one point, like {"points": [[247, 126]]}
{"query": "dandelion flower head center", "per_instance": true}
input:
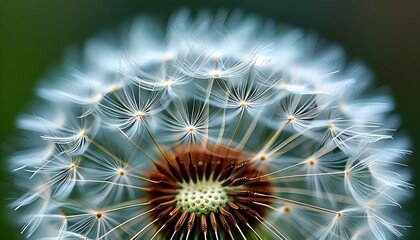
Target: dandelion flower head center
{"points": [[202, 197], [216, 183]]}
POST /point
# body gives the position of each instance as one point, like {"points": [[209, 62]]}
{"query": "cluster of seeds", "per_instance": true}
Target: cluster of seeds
{"points": [[202, 197], [212, 188], [224, 127]]}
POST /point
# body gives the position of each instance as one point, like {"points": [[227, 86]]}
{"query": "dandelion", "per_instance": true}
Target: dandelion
{"points": [[226, 127]]}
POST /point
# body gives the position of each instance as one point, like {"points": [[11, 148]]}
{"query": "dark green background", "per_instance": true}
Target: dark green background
{"points": [[384, 34]]}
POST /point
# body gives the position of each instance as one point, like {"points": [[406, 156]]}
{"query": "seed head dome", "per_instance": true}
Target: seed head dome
{"points": [[222, 126]]}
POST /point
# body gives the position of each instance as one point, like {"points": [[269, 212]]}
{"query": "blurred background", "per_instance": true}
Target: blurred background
{"points": [[34, 36]]}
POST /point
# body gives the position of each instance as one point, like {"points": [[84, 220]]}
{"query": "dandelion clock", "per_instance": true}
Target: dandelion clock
{"points": [[220, 126]]}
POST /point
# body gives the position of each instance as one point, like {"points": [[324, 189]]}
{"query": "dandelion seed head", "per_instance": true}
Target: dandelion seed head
{"points": [[225, 126]]}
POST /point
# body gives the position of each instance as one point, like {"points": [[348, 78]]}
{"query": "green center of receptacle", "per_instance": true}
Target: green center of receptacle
{"points": [[202, 197]]}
